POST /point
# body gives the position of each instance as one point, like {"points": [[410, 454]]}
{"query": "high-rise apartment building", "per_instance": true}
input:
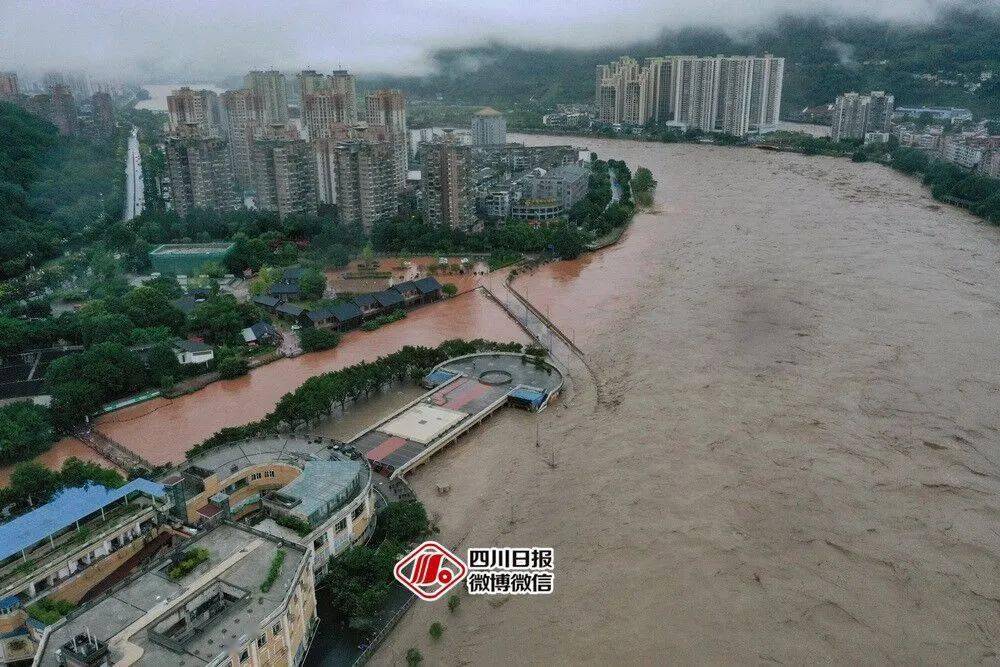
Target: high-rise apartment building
{"points": [[244, 119], [489, 128], [662, 79], [9, 89], [387, 108], [366, 182], [62, 110], [765, 92], [311, 81], [621, 92], [323, 111], [694, 92], [325, 150], [201, 172], [854, 114], [102, 115], [269, 86], [731, 94], [447, 183], [199, 107], [284, 175]]}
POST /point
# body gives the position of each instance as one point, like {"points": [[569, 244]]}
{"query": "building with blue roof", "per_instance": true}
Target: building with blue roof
{"points": [[53, 545]]}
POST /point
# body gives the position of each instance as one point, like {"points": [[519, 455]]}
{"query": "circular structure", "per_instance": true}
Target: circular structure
{"points": [[495, 377]]}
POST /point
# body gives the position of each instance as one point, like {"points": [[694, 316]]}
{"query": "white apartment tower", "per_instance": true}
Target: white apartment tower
{"points": [[489, 128], [731, 94], [621, 92]]}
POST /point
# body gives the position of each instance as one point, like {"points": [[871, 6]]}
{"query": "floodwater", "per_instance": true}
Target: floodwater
{"points": [[793, 455], [465, 275], [161, 430], [61, 451], [158, 94]]}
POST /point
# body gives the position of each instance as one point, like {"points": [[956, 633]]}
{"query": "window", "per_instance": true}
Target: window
{"points": [[276, 629], [261, 641], [342, 524], [357, 511], [245, 655]]}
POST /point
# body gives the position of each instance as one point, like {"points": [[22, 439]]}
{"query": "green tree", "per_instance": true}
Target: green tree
{"points": [[232, 366], [162, 363], [221, 318], [453, 602], [13, 335], [413, 657], [404, 521], [33, 482], [450, 289], [313, 339], [436, 630], [25, 431], [149, 307], [567, 242], [73, 400], [312, 284]]}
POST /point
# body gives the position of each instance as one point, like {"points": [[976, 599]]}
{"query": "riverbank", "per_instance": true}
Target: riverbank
{"points": [[794, 457]]}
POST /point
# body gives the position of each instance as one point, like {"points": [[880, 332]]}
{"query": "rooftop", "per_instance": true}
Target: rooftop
{"points": [[488, 111], [239, 561], [322, 487], [191, 248], [64, 510]]}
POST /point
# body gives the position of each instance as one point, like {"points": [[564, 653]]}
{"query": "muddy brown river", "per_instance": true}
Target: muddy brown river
{"points": [[793, 455], [790, 452]]}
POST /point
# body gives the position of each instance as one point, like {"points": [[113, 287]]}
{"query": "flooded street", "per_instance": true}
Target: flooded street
{"points": [[794, 453], [161, 430]]}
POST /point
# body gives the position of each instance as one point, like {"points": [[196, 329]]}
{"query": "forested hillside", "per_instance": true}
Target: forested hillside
{"points": [[53, 189], [937, 63]]}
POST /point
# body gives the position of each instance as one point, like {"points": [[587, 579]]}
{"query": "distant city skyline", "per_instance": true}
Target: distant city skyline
{"points": [[191, 41]]}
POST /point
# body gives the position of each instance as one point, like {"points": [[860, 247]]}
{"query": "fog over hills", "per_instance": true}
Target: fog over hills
{"points": [[497, 52]]}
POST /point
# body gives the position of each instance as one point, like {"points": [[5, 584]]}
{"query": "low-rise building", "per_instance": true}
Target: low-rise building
{"points": [[66, 547], [187, 259], [251, 602], [308, 493], [192, 352]]}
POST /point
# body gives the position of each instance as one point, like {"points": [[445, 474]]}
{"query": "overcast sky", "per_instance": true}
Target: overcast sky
{"points": [[180, 40]]}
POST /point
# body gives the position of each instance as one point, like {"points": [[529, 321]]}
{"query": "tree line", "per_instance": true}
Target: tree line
{"points": [[317, 397]]}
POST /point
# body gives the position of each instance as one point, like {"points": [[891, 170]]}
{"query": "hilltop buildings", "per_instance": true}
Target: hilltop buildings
{"points": [[855, 115], [730, 94]]}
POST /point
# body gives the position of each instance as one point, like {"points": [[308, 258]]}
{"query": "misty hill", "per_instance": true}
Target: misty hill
{"points": [[937, 64]]}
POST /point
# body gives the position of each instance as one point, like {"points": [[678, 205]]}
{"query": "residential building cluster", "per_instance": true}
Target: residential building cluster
{"points": [[735, 95], [855, 116], [90, 114], [244, 147]]}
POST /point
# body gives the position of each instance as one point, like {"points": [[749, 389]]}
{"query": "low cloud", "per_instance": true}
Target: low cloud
{"points": [[154, 41]]}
